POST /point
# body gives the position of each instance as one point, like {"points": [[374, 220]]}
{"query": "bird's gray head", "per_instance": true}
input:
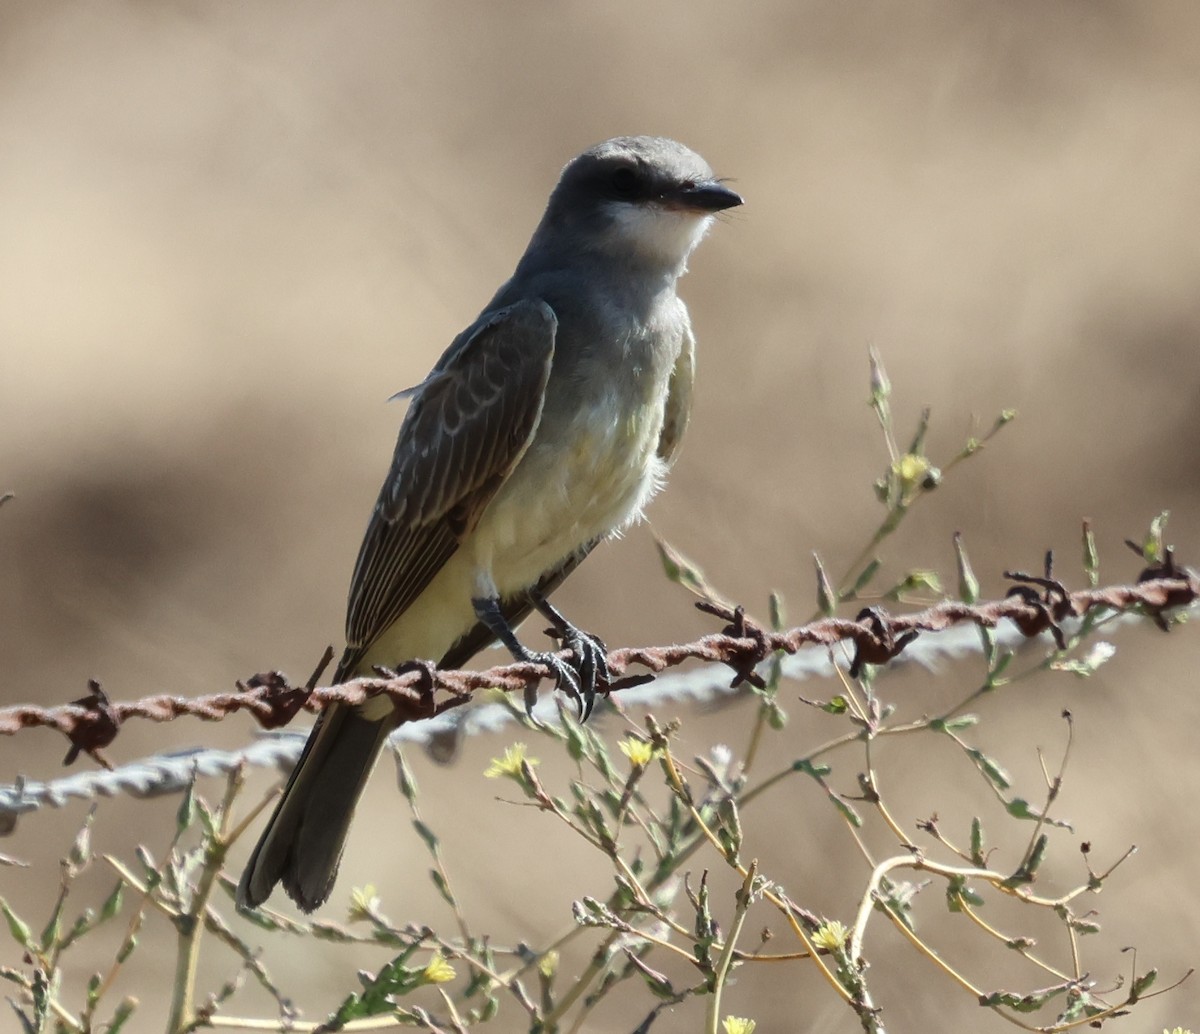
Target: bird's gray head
{"points": [[643, 199]]}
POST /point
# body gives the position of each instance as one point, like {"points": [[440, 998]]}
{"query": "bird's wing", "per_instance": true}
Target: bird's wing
{"points": [[467, 427], [679, 399]]}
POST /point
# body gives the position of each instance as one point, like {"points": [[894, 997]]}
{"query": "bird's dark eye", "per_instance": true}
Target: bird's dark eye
{"points": [[624, 182]]}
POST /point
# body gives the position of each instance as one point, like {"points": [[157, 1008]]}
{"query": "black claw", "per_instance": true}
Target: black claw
{"points": [[578, 678], [591, 657], [531, 695]]}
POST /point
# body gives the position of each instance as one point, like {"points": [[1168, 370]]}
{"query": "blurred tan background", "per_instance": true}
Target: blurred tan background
{"points": [[229, 232]]}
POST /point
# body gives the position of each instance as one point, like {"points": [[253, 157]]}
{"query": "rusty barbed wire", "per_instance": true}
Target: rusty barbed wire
{"points": [[947, 631], [1035, 605]]}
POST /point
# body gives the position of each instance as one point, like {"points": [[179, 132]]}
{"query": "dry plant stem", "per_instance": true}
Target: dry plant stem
{"points": [[508, 983], [191, 924], [249, 819], [919, 864], [991, 931], [916, 726], [298, 1027], [594, 968], [135, 924], [778, 902], [1053, 787], [460, 920], [454, 1017], [64, 1015], [726, 959], [872, 897], [581, 1019]]}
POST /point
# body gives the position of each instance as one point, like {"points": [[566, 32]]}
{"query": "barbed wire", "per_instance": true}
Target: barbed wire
{"points": [[950, 629], [173, 771]]}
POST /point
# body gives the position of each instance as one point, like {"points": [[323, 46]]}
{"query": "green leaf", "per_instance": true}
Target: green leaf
{"points": [[968, 584], [576, 738], [958, 891], [404, 777], [53, 929], [990, 768], [657, 982], [1091, 556], [1037, 855], [209, 821], [847, 811], [775, 612], [997, 669], [443, 887], [17, 927], [955, 724], [827, 598], [121, 1015], [1142, 984], [81, 847], [112, 904], [186, 814], [682, 571], [82, 924], [1019, 808], [1153, 549], [1026, 1003], [776, 715], [977, 842], [916, 581], [427, 835], [881, 386], [127, 947], [375, 1000]]}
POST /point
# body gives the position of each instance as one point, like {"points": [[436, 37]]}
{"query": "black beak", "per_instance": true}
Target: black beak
{"points": [[706, 197]]}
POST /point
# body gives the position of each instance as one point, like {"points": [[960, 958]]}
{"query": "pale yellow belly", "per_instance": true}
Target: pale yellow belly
{"points": [[554, 502]]}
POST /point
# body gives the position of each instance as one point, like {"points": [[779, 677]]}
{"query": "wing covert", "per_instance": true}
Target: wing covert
{"points": [[679, 400], [467, 427]]}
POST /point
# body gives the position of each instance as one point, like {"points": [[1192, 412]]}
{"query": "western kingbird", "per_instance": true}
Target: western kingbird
{"points": [[545, 427]]}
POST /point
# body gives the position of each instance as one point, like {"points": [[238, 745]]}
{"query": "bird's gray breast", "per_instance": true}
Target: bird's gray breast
{"points": [[593, 463]]}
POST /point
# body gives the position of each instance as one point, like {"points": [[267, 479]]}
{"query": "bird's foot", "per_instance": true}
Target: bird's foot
{"points": [[578, 677], [590, 661], [567, 677]]}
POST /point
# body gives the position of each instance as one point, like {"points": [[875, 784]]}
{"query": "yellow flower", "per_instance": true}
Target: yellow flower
{"points": [[638, 751], [911, 468], [831, 935], [548, 964], [738, 1025], [510, 764], [364, 903], [439, 971]]}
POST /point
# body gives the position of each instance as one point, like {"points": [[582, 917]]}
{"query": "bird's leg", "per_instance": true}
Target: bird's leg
{"points": [[566, 677], [591, 655]]}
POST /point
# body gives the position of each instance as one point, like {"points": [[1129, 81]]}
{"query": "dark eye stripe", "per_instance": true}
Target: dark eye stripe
{"points": [[625, 182]]}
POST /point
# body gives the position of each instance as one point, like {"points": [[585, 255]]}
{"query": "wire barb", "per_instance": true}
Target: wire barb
{"points": [[93, 722], [430, 701]]}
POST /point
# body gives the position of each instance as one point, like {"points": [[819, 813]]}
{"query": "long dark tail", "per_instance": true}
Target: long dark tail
{"points": [[302, 844]]}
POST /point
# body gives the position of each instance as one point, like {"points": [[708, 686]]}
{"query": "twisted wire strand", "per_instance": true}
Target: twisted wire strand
{"points": [[950, 631]]}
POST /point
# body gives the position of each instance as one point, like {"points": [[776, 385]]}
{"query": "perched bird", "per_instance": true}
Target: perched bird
{"points": [[545, 427]]}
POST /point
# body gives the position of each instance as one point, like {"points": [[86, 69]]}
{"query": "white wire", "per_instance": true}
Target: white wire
{"points": [[172, 772]]}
